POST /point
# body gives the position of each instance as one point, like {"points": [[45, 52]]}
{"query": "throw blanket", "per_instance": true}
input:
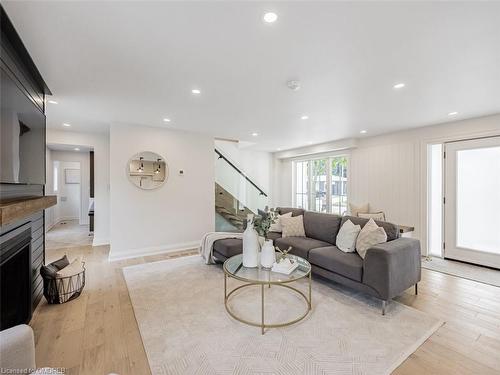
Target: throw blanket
{"points": [[207, 243]]}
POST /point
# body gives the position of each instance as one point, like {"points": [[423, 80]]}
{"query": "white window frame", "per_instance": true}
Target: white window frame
{"points": [[330, 156]]}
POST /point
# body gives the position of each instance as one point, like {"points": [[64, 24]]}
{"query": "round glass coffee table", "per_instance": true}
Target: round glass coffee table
{"points": [[233, 268]]}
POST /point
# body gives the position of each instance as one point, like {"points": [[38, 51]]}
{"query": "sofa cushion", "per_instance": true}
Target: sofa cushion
{"points": [[273, 236], [300, 245], [294, 211], [320, 226], [332, 259], [392, 230], [229, 246]]}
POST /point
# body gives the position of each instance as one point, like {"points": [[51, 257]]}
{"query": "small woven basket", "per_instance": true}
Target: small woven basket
{"points": [[64, 289]]}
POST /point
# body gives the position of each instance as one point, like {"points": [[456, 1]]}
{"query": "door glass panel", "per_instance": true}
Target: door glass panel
{"points": [[339, 185], [478, 199], [319, 185], [301, 184]]}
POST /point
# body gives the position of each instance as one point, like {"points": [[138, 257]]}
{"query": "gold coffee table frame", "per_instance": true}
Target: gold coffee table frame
{"points": [[249, 282]]}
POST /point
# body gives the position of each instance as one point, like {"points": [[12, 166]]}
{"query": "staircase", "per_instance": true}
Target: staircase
{"points": [[236, 195]]}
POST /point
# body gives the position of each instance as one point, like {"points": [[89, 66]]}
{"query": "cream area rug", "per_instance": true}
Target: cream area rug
{"points": [[179, 307]]}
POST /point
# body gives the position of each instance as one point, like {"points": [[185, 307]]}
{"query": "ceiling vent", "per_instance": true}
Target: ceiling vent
{"points": [[293, 85]]}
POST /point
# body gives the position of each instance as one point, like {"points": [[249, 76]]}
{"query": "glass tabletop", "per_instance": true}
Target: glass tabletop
{"points": [[234, 268]]}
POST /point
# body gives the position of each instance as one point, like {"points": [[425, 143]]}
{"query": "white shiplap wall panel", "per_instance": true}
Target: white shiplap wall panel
{"points": [[385, 176]]}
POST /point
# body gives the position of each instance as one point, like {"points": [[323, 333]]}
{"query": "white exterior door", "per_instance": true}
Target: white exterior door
{"points": [[472, 201]]}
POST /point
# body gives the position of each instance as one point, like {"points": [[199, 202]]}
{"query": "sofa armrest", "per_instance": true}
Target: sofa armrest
{"points": [[392, 267], [17, 348]]}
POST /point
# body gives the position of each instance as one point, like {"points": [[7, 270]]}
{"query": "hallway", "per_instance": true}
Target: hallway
{"points": [[67, 234]]}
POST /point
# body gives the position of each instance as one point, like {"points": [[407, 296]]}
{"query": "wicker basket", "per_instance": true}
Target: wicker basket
{"points": [[64, 289]]}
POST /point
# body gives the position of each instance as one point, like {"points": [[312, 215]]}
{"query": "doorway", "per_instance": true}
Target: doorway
{"points": [[471, 201], [68, 177]]}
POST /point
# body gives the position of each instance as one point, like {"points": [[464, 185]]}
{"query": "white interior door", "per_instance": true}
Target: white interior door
{"points": [[472, 201]]}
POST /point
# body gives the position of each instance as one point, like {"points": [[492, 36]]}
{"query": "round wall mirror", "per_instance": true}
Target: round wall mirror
{"points": [[147, 170]]}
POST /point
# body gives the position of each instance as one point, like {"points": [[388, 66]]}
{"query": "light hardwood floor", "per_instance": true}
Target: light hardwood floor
{"points": [[97, 333]]}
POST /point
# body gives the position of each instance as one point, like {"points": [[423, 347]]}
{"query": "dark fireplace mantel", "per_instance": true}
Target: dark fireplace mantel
{"points": [[16, 209]]}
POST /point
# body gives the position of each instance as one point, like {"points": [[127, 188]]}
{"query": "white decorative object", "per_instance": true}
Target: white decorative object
{"points": [[285, 266], [250, 245], [346, 239], [370, 235], [267, 254]]}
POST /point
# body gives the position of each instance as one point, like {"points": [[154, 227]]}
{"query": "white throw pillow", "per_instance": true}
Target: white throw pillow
{"points": [[346, 238], [370, 235], [380, 216], [355, 210], [276, 226], [293, 226]]}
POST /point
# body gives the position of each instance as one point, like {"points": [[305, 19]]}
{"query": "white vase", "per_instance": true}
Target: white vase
{"points": [[250, 245], [267, 254]]}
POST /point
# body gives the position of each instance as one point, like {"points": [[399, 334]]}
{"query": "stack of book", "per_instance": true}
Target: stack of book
{"points": [[285, 266]]}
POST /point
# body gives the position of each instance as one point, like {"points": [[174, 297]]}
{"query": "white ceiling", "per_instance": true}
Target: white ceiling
{"points": [[136, 62]]}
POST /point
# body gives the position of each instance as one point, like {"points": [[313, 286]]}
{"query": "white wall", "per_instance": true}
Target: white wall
{"points": [[172, 217], [389, 171], [100, 143]]}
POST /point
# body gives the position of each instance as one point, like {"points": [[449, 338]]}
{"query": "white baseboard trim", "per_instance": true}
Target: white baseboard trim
{"points": [[68, 218], [100, 241], [153, 250]]}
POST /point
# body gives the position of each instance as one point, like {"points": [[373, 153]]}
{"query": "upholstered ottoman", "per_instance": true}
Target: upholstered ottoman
{"points": [[227, 248]]}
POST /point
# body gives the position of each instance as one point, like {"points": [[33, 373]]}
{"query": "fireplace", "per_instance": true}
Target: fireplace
{"points": [[16, 277]]}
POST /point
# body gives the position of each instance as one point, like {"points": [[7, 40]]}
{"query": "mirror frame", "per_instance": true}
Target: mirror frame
{"points": [[137, 156]]}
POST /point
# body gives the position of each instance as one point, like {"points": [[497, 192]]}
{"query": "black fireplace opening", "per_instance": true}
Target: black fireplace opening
{"points": [[15, 274]]}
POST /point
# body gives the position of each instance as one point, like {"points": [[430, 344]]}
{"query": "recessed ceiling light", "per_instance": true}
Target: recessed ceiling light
{"points": [[196, 91], [66, 124], [278, 149], [77, 149], [255, 134], [270, 17], [363, 131], [166, 120], [305, 117], [399, 85], [53, 102], [309, 143], [452, 113]]}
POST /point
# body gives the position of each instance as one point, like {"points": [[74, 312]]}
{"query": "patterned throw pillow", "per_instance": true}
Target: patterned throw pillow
{"points": [[346, 238], [370, 235], [380, 216], [355, 210], [276, 226], [293, 226]]}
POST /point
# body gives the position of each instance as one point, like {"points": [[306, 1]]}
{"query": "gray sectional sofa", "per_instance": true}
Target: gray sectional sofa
{"points": [[387, 270]]}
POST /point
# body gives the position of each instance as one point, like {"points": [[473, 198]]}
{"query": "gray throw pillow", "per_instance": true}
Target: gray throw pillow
{"points": [[61, 263], [50, 270]]}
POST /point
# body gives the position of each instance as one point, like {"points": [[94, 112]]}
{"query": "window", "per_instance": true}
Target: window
{"points": [[321, 184], [302, 184], [56, 175]]}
